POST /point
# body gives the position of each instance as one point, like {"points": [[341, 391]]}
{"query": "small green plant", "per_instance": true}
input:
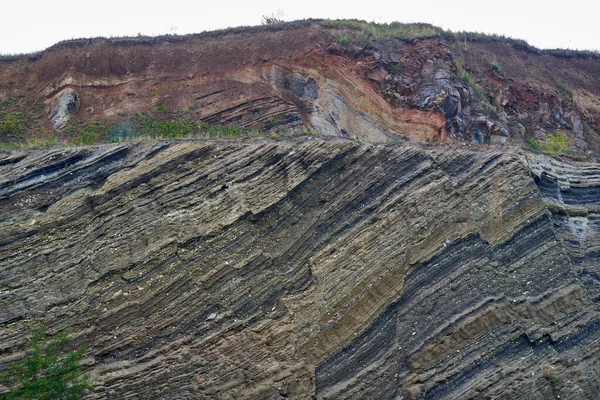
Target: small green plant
{"points": [[532, 144], [50, 371], [341, 37], [466, 78], [394, 68], [161, 107], [565, 89], [495, 68]]}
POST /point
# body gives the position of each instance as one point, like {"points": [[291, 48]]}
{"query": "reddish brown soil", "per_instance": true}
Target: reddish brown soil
{"points": [[236, 77]]}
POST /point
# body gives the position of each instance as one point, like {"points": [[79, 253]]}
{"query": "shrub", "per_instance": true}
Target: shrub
{"points": [[466, 78], [495, 68], [386, 31], [275, 18], [49, 372], [549, 374], [556, 144], [161, 107], [532, 144]]}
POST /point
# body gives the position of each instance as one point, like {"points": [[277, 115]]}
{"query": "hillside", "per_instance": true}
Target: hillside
{"points": [[366, 82], [356, 212]]}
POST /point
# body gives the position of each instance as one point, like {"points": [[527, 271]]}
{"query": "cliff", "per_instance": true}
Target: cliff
{"points": [[307, 267], [377, 224]]}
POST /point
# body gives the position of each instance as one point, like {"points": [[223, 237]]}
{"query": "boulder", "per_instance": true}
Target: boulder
{"points": [[311, 89], [499, 133], [543, 113], [439, 96], [354, 51], [517, 129], [539, 134], [404, 86], [501, 97], [378, 74], [486, 130], [63, 107], [464, 93], [442, 74], [557, 114], [395, 57], [299, 85], [573, 121], [451, 106], [335, 48], [458, 124], [429, 96]]}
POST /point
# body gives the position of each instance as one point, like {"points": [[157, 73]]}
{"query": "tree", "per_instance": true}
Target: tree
{"points": [[49, 372]]}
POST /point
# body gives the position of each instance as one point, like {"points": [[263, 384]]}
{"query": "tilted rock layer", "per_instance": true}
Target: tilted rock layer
{"points": [[307, 268]]}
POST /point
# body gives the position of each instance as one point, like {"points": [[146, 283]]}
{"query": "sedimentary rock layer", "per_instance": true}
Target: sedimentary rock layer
{"points": [[306, 268]]}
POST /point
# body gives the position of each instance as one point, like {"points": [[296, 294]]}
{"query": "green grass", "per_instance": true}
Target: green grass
{"points": [[161, 107], [341, 37], [532, 144], [14, 125], [387, 31], [80, 133], [464, 37], [181, 126], [565, 89], [168, 125]]}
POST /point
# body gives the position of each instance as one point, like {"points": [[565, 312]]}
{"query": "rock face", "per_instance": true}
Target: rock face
{"points": [[307, 268], [63, 107]]}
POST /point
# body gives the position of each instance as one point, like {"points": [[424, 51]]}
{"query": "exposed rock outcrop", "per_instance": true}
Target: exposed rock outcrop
{"points": [[63, 107], [304, 268], [364, 264]]}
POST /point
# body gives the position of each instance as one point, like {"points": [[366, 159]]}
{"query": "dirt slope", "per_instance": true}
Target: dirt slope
{"points": [[366, 82]]}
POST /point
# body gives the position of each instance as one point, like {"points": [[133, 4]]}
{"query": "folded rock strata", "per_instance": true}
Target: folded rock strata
{"points": [[307, 268]]}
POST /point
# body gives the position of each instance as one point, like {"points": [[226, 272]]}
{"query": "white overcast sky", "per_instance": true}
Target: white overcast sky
{"points": [[37, 24]]}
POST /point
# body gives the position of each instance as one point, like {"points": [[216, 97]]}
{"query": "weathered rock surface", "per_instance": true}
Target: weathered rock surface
{"points": [[304, 268], [63, 107]]}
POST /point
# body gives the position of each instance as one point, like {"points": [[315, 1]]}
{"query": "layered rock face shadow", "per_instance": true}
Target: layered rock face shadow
{"points": [[306, 268]]}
